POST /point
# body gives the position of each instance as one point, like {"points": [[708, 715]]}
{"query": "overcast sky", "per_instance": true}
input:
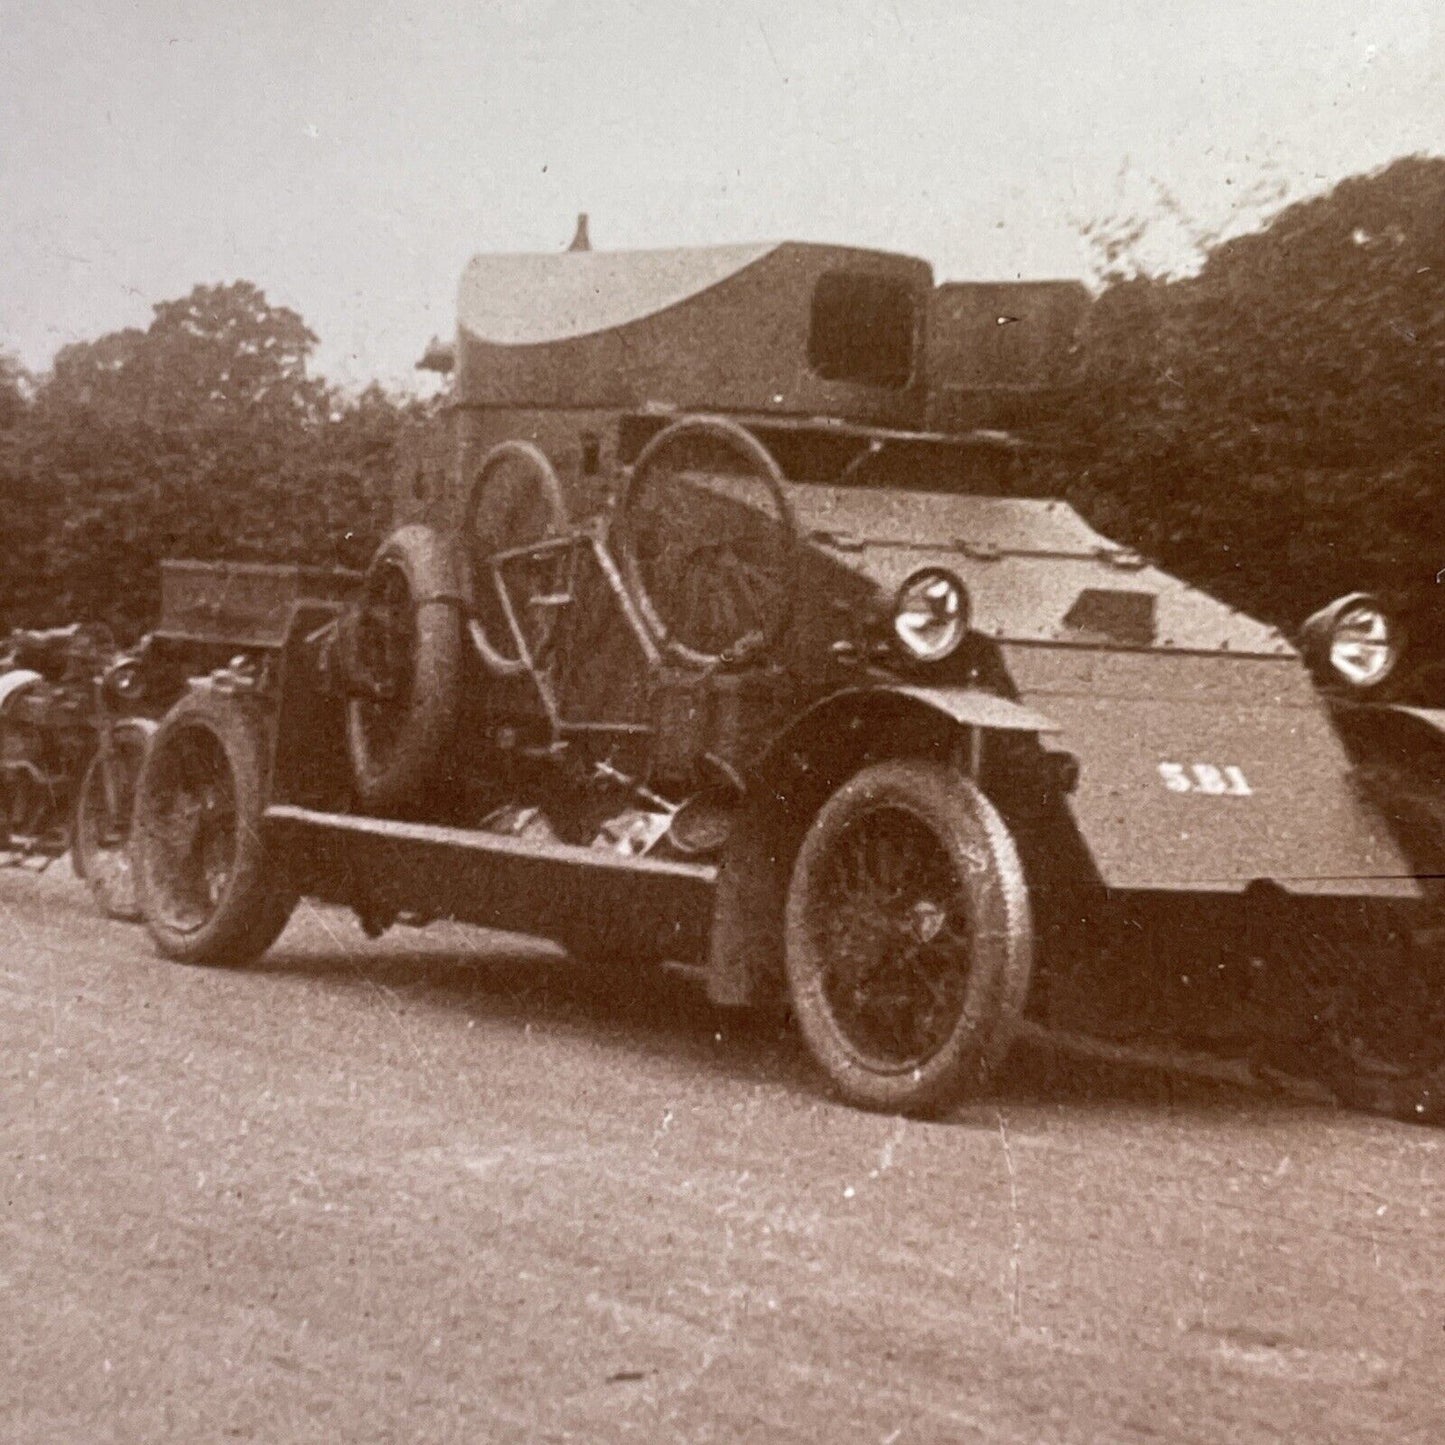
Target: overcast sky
{"points": [[348, 155]]}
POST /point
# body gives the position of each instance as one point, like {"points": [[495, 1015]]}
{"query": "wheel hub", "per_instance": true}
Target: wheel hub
{"points": [[898, 967], [926, 920]]}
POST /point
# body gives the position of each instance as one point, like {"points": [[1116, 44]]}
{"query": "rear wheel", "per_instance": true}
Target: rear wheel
{"points": [[908, 939], [103, 813], [208, 891]]}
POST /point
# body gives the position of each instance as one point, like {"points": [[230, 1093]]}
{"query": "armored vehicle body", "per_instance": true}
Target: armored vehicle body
{"points": [[714, 629]]}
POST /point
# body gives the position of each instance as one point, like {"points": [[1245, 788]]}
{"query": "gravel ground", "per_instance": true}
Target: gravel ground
{"points": [[447, 1187]]}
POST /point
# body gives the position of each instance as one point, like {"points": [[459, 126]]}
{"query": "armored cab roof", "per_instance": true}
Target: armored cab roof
{"points": [[524, 299], [787, 327]]}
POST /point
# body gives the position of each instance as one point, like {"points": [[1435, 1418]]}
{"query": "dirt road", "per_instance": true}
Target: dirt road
{"points": [[444, 1188]]}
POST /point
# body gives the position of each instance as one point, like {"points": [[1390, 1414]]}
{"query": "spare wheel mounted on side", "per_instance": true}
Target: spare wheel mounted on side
{"points": [[708, 542], [908, 938], [208, 891], [404, 669]]}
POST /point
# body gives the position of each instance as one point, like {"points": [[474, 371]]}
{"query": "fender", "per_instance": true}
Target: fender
{"points": [[16, 680], [309, 762], [971, 707], [797, 771], [1398, 753], [1431, 719]]}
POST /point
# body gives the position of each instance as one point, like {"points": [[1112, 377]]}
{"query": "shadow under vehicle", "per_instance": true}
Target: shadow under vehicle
{"points": [[711, 632]]}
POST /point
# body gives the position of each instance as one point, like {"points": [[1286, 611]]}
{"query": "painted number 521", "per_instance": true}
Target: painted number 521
{"points": [[1225, 782]]}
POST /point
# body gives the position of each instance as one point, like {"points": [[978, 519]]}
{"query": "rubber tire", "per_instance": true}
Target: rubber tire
{"points": [[544, 491], [256, 903], [114, 898], [394, 783], [985, 859], [726, 432]]}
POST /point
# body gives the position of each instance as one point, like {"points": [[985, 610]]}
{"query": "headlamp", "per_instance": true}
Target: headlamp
{"points": [[1353, 641], [930, 617], [124, 681]]}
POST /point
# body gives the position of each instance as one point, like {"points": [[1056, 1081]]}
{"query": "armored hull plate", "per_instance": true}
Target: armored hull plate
{"points": [[1208, 773]]}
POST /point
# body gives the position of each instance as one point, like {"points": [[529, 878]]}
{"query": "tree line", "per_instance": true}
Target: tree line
{"points": [[1271, 427], [201, 436]]}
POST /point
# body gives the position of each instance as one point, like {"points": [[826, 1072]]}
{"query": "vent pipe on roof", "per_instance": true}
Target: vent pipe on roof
{"points": [[581, 241], [439, 356]]}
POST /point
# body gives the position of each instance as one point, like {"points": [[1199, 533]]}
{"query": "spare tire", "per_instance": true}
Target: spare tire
{"points": [[405, 670], [708, 543]]}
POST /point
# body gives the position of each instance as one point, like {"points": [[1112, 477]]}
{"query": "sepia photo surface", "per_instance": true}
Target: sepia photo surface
{"points": [[722, 723]]}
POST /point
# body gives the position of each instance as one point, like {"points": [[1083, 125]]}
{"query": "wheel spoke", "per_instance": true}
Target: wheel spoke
{"points": [[914, 960], [897, 957], [751, 585], [698, 513], [194, 829]]}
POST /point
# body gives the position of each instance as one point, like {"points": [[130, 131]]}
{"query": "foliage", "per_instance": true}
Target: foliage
{"points": [[15, 390], [202, 436], [1273, 426]]}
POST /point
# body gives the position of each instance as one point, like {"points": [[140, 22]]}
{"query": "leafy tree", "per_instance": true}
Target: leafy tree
{"points": [[201, 436], [221, 353], [25, 516], [1273, 425], [15, 391]]}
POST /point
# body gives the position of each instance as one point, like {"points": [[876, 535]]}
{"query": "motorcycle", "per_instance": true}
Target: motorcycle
{"points": [[72, 740]]}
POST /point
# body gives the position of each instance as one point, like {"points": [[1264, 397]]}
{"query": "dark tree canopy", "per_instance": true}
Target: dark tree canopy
{"points": [[222, 351], [15, 388], [1273, 426], [201, 436]]}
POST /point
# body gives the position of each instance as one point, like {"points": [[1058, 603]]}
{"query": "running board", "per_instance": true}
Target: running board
{"points": [[591, 900]]}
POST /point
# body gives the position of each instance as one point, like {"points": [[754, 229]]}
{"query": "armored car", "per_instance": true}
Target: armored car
{"points": [[722, 623]]}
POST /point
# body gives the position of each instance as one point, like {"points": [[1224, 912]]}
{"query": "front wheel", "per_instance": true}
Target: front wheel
{"points": [[908, 938], [101, 852], [208, 891]]}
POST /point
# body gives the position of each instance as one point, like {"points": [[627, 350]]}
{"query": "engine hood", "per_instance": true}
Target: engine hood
{"points": [[1035, 570]]}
